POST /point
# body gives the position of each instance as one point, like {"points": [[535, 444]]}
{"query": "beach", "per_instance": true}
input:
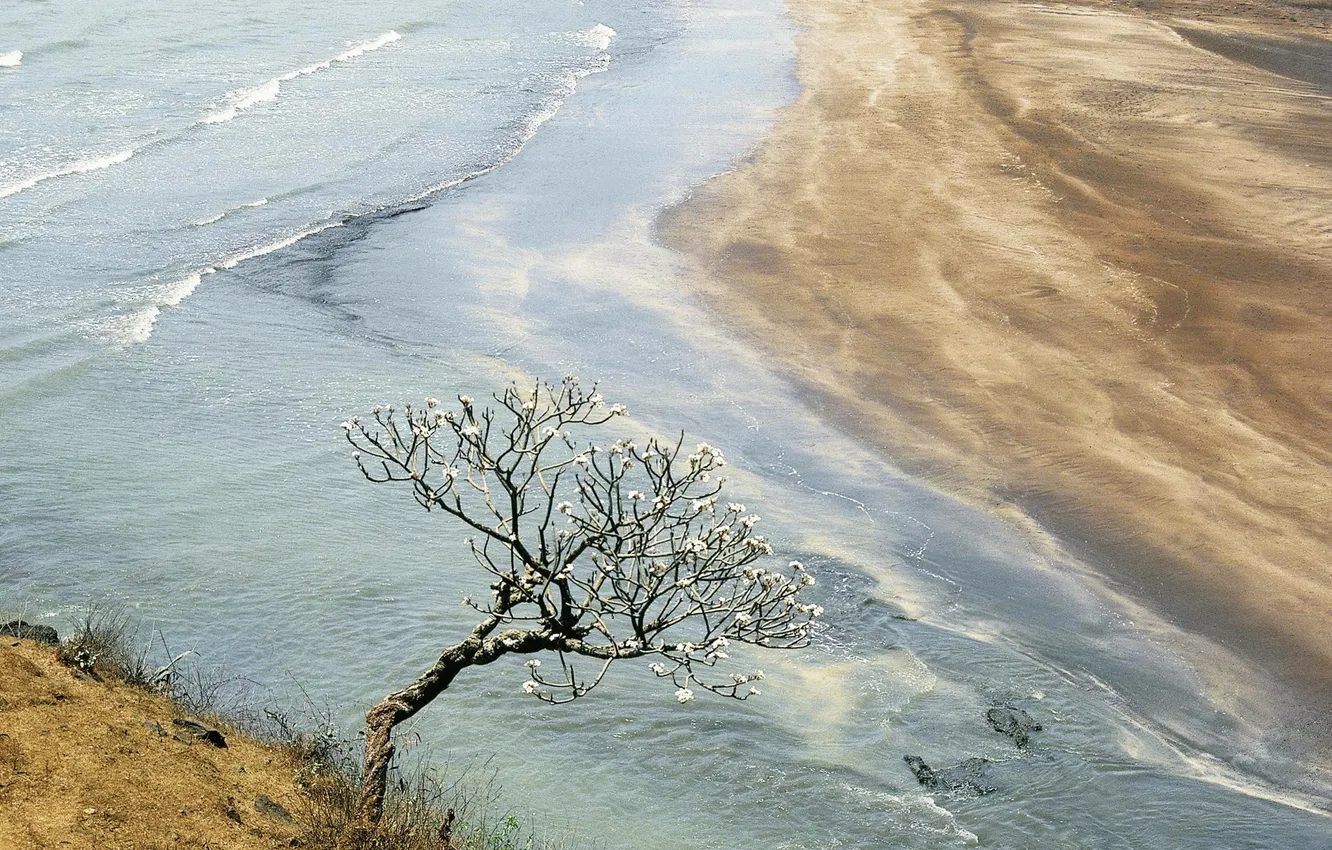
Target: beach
{"points": [[931, 311], [1073, 262]]}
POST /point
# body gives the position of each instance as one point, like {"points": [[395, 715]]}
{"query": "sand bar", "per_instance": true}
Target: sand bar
{"points": [[1074, 262]]}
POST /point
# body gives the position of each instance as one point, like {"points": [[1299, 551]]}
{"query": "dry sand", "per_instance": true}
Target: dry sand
{"points": [[1074, 260]]}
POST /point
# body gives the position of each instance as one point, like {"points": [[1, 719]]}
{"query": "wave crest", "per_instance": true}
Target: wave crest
{"points": [[271, 89], [12, 59], [82, 166]]}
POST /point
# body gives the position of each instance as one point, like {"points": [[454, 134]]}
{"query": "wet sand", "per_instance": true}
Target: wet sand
{"points": [[1074, 262]]}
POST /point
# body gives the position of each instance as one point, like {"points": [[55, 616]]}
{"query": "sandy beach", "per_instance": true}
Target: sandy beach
{"points": [[1072, 262]]}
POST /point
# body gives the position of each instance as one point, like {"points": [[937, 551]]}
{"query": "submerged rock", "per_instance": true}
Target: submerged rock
{"points": [[31, 631], [1013, 723], [967, 776]]}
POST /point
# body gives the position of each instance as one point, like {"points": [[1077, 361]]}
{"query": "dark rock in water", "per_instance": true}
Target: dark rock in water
{"points": [[31, 631], [967, 776], [1013, 723], [273, 809], [201, 731]]}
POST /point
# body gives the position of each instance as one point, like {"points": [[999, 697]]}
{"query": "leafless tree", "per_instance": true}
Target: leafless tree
{"points": [[599, 552]]}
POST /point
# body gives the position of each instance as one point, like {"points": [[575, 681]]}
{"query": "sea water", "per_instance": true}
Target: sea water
{"points": [[225, 229]]}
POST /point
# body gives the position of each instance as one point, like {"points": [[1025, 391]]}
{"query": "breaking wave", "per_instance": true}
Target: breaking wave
{"points": [[242, 101], [138, 326], [204, 222], [82, 166], [600, 37], [270, 90]]}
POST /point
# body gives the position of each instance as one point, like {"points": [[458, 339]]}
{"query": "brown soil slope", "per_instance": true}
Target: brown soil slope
{"points": [[1076, 259], [81, 768]]}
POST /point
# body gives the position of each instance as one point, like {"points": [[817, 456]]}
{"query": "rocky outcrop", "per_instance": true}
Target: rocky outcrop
{"points": [[30, 631], [965, 777], [1013, 723]]}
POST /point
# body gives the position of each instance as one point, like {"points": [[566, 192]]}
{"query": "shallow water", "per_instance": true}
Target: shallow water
{"points": [[174, 443]]}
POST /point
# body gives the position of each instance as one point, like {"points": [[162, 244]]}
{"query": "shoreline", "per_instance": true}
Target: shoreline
{"points": [[1068, 262]]}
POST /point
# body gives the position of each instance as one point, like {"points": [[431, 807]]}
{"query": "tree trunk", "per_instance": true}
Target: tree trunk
{"points": [[402, 705]]}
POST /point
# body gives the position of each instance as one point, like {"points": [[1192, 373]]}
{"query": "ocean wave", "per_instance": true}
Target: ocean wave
{"points": [[137, 325], [204, 222], [262, 250], [598, 37], [12, 59], [270, 90], [82, 166], [246, 99]]}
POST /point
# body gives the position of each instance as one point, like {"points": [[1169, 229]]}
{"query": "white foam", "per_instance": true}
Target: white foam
{"points": [[204, 222], [600, 37], [270, 90], [83, 166], [12, 59], [246, 99]]}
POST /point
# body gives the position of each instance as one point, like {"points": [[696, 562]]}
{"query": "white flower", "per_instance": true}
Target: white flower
{"points": [[450, 472], [581, 460], [743, 619], [695, 545], [757, 676], [806, 579], [636, 495], [466, 400], [532, 664], [432, 402], [467, 600], [529, 406], [356, 455], [530, 687], [349, 425], [750, 521], [735, 507], [684, 695], [618, 409], [753, 692], [564, 507], [796, 565], [658, 669], [596, 399], [703, 449], [550, 432], [761, 545], [469, 431]]}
